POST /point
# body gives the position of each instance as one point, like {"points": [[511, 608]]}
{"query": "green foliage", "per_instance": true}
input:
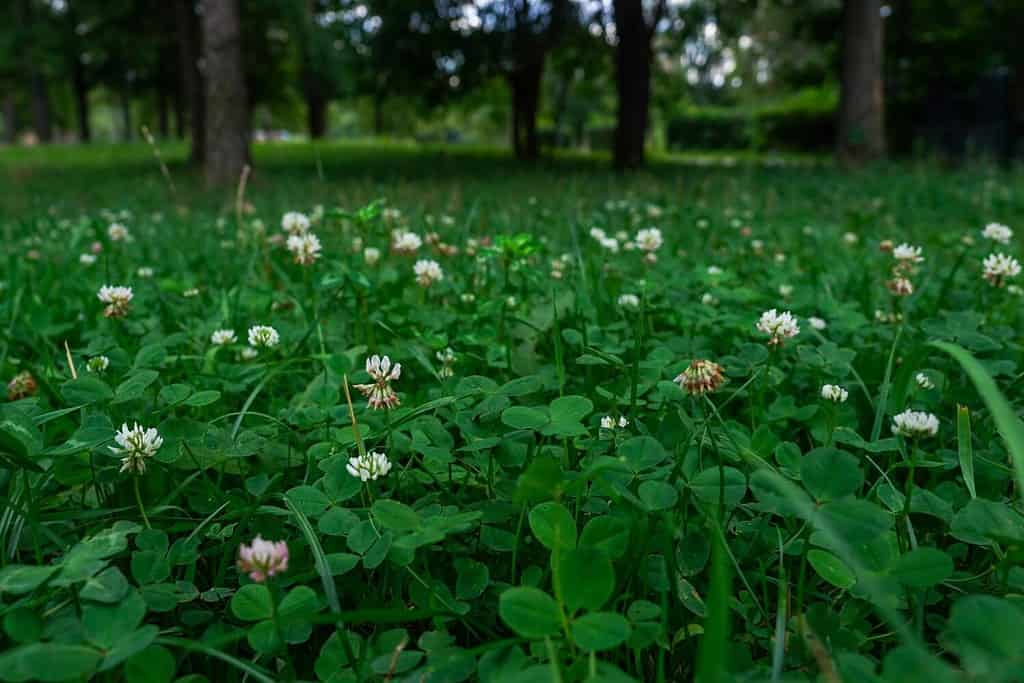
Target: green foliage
{"points": [[556, 507]]}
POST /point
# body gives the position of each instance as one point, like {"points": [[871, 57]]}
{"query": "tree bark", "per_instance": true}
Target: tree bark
{"points": [[632, 83], [42, 116], [163, 112], [187, 23], [861, 130], [81, 90], [316, 112], [525, 83], [227, 108], [10, 120], [126, 114], [180, 121], [378, 113]]}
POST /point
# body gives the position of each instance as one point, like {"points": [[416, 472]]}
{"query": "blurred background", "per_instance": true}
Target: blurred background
{"points": [[860, 78]]}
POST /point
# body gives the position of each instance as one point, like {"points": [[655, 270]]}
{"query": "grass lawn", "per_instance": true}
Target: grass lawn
{"points": [[733, 417]]}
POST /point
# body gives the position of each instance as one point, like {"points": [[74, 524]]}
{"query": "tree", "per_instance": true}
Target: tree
{"points": [[634, 33], [861, 134], [227, 106], [187, 29]]}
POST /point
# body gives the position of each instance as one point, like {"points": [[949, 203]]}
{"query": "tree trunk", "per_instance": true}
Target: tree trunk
{"points": [[41, 112], [378, 113], [10, 120], [525, 84], [227, 108], [187, 24], [632, 83], [126, 115], [180, 122], [861, 96], [163, 111], [81, 89], [316, 111]]}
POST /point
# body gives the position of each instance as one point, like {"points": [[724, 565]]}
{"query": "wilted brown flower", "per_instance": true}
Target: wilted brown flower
{"points": [[702, 377], [22, 386]]}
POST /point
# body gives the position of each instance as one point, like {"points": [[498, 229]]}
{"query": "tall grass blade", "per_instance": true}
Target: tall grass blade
{"points": [[964, 447], [1010, 427], [713, 655]]}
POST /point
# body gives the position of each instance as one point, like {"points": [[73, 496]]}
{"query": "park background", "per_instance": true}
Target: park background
{"points": [[935, 79]]}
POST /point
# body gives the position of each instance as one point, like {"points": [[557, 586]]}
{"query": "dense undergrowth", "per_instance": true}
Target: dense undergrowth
{"points": [[649, 429]]}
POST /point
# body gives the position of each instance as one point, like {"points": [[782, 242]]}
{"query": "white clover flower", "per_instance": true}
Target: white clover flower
{"points": [[248, 353], [263, 558], [817, 323], [610, 424], [87, 259], [998, 268], [223, 337], [447, 358], [714, 270], [379, 394], [305, 248], [118, 233], [611, 244], [701, 377], [371, 255], [97, 364], [405, 242], [780, 257], [924, 381], [834, 393], [997, 232], [117, 298], [135, 445], [907, 253], [649, 239], [263, 335], [295, 223], [597, 234], [427, 272], [778, 326], [653, 211], [900, 286], [914, 425], [369, 467], [144, 272], [629, 301], [709, 299], [850, 238], [757, 246]]}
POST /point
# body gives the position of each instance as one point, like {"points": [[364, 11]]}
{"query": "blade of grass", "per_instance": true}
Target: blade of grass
{"points": [[966, 450], [330, 589], [713, 655], [248, 669], [1010, 427], [883, 395]]}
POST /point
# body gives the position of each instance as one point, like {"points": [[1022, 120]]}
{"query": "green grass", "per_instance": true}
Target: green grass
{"points": [[758, 532]]}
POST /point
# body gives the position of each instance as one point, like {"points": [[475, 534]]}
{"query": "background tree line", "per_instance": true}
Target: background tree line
{"points": [[696, 71]]}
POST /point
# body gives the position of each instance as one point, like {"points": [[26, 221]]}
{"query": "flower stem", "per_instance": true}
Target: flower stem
{"points": [[138, 499]]}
